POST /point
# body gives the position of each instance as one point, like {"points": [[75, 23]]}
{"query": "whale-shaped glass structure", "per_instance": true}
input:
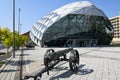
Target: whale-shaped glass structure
{"points": [[75, 24]]}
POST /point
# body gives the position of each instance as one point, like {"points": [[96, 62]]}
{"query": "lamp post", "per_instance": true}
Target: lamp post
{"points": [[19, 26], [19, 22], [13, 29]]}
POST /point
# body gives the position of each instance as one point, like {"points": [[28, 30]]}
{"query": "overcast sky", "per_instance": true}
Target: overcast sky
{"points": [[33, 10]]}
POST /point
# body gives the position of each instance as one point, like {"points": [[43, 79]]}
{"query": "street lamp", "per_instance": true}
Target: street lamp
{"points": [[19, 25], [19, 22], [13, 29]]}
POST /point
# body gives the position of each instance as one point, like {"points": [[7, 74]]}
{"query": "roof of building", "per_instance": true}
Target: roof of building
{"points": [[115, 17], [81, 7]]}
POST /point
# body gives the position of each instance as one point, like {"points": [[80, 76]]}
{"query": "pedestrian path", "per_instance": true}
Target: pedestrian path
{"points": [[9, 70]]}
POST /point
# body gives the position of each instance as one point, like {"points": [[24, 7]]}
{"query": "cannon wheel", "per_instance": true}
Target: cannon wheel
{"points": [[49, 51], [46, 61], [74, 61]]}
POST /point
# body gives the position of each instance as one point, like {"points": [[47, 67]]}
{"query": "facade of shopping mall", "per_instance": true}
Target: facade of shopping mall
{"points": [[75, 24]]}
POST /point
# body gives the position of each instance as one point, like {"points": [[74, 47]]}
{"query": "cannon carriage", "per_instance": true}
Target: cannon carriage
{"points": [[52, 58]]}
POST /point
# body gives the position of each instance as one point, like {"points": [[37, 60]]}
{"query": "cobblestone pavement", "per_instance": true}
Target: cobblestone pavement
{"points": [[9, 70], [96, 63]]}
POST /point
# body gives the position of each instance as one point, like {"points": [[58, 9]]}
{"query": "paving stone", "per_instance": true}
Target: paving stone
{"points": [[98, 59], [96, 63]]}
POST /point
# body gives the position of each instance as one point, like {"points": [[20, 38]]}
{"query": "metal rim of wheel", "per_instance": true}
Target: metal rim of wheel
{"points": [[46, 61], [74, 61]]}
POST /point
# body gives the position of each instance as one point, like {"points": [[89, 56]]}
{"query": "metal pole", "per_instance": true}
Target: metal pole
{"points": [[19, 27], [19, 22], [13, 29]]}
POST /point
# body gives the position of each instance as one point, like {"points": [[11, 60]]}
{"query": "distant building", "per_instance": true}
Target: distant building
{"points": [[75, 24], [116, 25], [27, 34], [30, 43]]}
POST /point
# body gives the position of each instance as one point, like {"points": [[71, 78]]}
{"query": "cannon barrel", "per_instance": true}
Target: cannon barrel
{"points": [[52, 58], [39, 73], [57, 54]]}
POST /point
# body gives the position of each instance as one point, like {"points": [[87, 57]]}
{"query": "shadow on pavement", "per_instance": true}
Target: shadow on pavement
{"points": [[26, 54], [8, 70], [68, 73], [16, 63], [85, 71]]}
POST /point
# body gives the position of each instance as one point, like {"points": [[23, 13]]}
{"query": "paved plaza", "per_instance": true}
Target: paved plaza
{"points": [[96, 63]]}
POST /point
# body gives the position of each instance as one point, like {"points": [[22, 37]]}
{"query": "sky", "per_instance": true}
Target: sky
{"points": [[33, 10]]}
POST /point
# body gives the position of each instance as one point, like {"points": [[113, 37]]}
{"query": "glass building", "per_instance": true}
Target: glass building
{"points": [[76, 24]]}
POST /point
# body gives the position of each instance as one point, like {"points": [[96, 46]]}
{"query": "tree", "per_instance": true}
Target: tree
{"points": [[8, 42], [23, 39], [19, 40], [6, 37], [0, 34], [4, 33]]}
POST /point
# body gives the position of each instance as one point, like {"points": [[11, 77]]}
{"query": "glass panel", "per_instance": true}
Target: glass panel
{"points": [[80, 26]]}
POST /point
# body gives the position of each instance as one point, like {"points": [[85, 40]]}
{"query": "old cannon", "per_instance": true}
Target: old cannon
{"points": [[51, 58]]}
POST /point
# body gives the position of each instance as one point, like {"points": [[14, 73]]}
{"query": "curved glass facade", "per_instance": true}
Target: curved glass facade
{"points": [[80, 29], [85, 25]]}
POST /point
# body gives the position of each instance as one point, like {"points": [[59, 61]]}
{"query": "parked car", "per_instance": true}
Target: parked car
{"points": [[30, 45]]}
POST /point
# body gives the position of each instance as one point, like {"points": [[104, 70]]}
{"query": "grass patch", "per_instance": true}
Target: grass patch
{"points": [[7, 54], [2, 62], [116, 45]]}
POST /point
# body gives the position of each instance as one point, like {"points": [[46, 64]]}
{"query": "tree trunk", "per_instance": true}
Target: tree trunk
{"points": [[7, 50]]}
